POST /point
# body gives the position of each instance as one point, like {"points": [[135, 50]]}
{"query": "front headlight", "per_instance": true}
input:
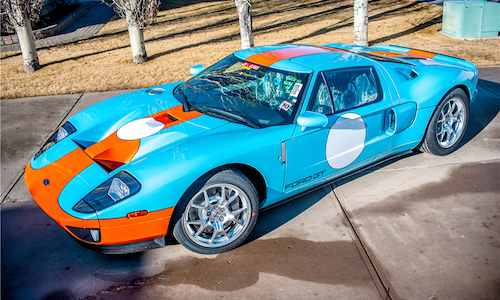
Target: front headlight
{"points": [[59, 135], [114, 190]]}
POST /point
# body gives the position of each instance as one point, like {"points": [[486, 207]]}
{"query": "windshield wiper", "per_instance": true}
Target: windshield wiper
{"points": [[225, 115], [184, 100]]}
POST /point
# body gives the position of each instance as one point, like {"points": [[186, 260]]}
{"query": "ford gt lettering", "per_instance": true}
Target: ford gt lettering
{"points": [[304, 180]]}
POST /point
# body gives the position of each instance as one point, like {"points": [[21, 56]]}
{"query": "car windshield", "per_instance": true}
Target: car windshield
{"points": [[242, 92]]}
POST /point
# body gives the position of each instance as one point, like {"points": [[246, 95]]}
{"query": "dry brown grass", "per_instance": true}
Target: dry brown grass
{"points": [[190, 32]]}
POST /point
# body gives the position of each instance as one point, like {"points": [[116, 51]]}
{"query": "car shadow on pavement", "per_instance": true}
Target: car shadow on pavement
{"points": [[271, 219], [39, 257], [41, 261]]}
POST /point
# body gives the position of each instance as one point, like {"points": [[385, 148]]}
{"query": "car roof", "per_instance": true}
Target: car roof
{"points": [[302, 58]]}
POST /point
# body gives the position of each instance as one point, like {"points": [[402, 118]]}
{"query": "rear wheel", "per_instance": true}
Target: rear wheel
{"points": [[448, 124], [219, 212]]}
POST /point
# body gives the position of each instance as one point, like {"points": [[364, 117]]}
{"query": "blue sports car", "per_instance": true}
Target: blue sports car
{"points": [[198, 159]]}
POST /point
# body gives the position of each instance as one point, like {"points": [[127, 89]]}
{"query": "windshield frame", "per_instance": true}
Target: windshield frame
{"points": [[251, 120]]}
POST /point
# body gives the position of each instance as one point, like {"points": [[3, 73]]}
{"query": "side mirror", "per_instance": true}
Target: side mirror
{"points": [[196, 70], [312, 120]]}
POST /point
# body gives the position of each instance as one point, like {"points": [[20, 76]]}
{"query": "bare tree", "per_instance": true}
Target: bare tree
{"points": [[361, 22], [21, 13], [244, 8], [139, 14]]}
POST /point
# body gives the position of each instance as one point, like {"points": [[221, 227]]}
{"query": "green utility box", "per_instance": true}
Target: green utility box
{"points": [[471, 19]]}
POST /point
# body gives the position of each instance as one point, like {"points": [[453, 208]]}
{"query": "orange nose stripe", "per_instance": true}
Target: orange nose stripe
{"points": [[113, 152], [46, 184]]}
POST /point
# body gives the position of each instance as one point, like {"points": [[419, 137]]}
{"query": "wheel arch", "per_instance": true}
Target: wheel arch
{"points": [[462, 87], [254, 176], [251, 173]]}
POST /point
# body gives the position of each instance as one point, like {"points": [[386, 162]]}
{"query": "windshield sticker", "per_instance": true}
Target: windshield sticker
{"points": [[248, 66], [296, 89], [285, 105]]}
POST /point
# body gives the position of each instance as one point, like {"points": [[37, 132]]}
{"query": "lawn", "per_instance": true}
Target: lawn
{"points": [[191, 32]]}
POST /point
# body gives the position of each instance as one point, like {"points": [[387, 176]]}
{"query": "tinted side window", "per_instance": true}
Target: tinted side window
{"points": [[321, 101], [353, 87]]}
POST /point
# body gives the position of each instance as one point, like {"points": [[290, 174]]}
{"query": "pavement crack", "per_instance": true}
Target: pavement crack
{"points": [[373, 260]]}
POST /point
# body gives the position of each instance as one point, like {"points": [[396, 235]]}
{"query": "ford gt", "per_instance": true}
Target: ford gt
{"points": [[197, 160]]}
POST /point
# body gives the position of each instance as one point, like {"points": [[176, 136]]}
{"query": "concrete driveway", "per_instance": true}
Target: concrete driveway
{"points": [[418, 227]]}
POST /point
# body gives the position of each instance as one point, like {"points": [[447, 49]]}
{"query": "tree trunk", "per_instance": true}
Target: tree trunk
{"points": [[27, 44], [137, 43], [361, 22], [244, 8]]}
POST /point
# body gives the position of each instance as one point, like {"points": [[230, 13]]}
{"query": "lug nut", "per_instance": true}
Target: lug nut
{"points": [[209, 213], [212, 220]]}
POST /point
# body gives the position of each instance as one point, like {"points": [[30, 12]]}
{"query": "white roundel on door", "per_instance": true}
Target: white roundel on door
{"points": [[346, 140]]}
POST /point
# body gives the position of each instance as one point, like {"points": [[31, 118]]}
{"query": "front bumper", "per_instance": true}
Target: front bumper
{"points": [[47, 183], [124, 248]]}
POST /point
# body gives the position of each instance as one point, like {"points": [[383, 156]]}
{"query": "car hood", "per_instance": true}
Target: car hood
{"points": [[128, 127]]}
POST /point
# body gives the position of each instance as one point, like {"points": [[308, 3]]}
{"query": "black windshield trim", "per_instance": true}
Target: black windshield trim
{"points": [[225, 114]]}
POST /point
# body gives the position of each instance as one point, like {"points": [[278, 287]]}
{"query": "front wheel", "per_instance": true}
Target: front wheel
{"points": [[219, 212], [448, 124]]}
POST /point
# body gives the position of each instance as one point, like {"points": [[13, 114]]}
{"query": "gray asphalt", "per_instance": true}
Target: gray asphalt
{"points": [[421, 226]]}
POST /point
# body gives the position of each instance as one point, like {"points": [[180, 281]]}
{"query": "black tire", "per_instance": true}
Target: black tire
{"points": [[208, 223], [448, 124]]}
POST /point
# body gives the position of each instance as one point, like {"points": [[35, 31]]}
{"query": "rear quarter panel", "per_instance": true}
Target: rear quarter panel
{"points": [[433, 83]]}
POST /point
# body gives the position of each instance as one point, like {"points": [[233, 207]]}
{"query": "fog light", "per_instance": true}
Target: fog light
{"points": [[95, 235], [85, 234]]}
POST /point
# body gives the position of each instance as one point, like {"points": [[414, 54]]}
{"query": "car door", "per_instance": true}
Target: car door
{"points": [[356, 107]]}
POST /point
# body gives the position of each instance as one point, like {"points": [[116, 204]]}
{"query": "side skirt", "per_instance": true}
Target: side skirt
{"points": [[343, 177]]}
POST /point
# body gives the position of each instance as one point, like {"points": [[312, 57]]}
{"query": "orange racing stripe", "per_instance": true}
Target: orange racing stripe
{"points": [[114, 152], [411, 53], [270, 57], [421, 53], [58, 174], [176, 112]]}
